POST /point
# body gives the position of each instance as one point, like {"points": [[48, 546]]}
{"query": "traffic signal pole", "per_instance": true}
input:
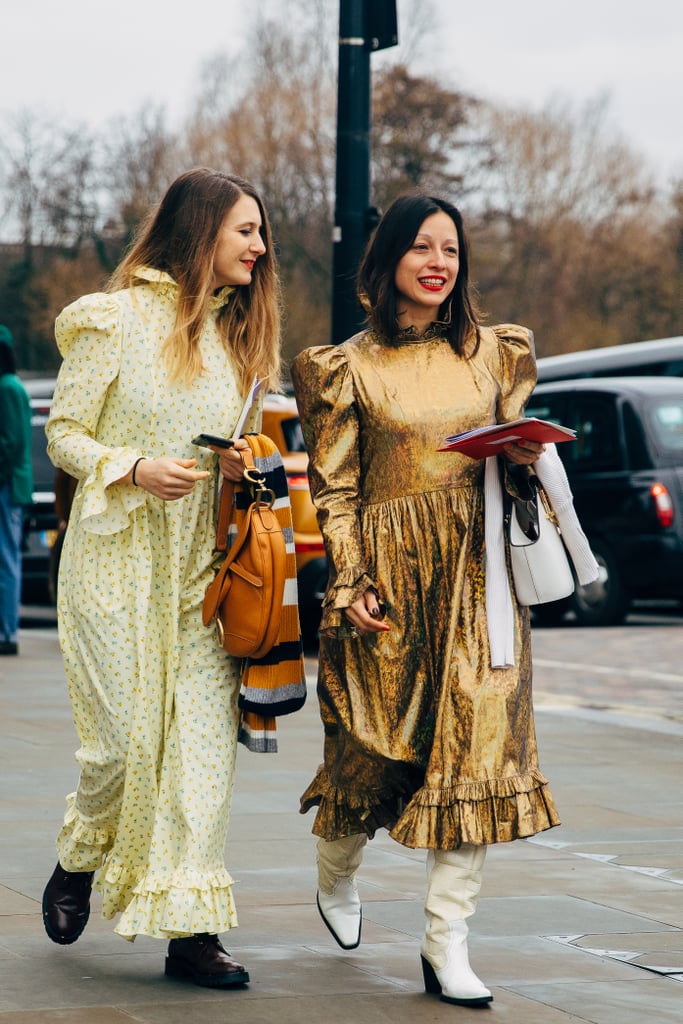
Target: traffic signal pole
{"points": [[364, 26]]}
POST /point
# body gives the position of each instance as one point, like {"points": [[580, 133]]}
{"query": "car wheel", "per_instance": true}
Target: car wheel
{"points": [[604, 602], [312, 584]]}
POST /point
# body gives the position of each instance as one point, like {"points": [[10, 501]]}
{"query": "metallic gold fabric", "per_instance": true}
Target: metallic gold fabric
{"points": [[421, 735]]}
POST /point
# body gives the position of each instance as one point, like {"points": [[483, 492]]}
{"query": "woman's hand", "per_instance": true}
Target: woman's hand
{"points": [[523, 453], [166, 478], [364, 614], [229, 462]]}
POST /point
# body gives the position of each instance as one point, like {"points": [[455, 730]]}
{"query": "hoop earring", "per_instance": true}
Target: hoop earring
{"points": [[449, 317]]}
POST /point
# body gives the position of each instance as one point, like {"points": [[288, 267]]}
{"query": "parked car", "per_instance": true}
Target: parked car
{"points": [[626, 473], [42, 536], [40, 523], [662, 357], [281, 423]]}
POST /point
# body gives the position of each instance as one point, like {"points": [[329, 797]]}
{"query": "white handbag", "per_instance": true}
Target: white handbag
{"points": [[540, 566]]}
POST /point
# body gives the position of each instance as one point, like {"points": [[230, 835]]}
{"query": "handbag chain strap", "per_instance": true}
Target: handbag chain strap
{"points": [[547, 507]]}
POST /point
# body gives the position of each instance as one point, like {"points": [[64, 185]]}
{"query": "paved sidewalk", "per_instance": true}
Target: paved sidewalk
{"points": [[581, 924]]}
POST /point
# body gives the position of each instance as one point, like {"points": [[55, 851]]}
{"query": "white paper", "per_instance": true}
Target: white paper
{"points": [[248, 402]]}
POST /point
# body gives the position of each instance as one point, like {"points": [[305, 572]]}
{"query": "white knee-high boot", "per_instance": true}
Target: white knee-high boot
{"points": [[453, 884], [337, 898]]}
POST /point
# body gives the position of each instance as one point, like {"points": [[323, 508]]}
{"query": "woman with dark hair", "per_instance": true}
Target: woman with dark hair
{"points": [[168, 352], [429, 728]]}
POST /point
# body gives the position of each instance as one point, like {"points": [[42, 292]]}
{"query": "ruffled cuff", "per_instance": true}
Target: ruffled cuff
{"points": [[82, 846], [106, 505], [349, 585]]}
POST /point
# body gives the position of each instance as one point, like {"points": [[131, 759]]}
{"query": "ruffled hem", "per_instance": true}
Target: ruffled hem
{"points": [[343, 814], [82, 847], [480, 813], [168, 905]]}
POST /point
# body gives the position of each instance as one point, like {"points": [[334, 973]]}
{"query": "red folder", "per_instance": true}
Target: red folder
{"points": [[485, 441]]}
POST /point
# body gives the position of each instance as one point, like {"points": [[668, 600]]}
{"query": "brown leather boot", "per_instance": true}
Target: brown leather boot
{"points": [[66, 904], [202, 959]]}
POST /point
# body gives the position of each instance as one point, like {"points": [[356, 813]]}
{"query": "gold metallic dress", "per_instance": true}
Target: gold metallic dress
{"points": [[422, 736]]}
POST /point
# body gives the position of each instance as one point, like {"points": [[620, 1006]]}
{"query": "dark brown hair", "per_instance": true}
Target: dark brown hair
{"points": [[392, 238]]}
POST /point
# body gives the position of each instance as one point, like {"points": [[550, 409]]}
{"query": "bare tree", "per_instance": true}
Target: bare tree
{"points": [[421, 136], [564, 208], [49, 184], [278, 131], [569, 234], [49, 187], [139, 159]]}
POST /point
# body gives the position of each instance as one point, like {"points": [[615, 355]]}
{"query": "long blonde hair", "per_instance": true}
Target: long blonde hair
{"points": [[180, 237]]}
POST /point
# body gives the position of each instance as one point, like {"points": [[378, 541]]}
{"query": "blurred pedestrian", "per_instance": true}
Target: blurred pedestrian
{"points": [[168, 352], [427, 711], [16, 488]]}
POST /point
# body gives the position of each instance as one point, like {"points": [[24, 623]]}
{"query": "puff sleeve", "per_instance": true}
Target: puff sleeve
{"points": [[323, 383], [89, 335], [517, 370]]}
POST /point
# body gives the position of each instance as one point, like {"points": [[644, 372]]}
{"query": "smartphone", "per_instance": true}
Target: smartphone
{"points": [[206, 440]]}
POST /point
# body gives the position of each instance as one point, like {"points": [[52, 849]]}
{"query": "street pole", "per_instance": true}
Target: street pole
{"points": [[364, 26]]}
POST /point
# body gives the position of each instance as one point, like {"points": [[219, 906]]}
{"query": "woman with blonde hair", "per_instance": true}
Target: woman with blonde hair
{"points": [[191, 316]]}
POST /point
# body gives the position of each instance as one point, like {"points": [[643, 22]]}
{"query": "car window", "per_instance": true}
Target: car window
{"points": [[665, 417], [43, 470], [596, 422], [665, 368], [639, 456], [553, 408], [547, 407], [293, 434], [598, 442]]}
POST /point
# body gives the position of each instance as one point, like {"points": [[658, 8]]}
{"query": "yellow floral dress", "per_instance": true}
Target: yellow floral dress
{"points": [[154, 697], [422, 736]]}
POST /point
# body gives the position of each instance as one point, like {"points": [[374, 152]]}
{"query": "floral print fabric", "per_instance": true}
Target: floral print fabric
{"points": [[154, 696]]}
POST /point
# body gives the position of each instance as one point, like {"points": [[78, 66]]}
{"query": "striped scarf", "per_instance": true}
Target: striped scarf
{"points": [[275, 684]]}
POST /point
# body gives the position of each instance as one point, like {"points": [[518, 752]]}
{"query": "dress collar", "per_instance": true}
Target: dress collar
{"points": [[168, 285], [410, 336]]}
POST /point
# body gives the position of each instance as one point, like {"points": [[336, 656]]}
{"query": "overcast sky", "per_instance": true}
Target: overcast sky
{"points": [[79, 60]]}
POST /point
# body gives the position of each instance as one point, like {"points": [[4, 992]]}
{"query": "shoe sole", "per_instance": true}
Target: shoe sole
{"points": [[332, 932], [176, 969], [481, 1001]]}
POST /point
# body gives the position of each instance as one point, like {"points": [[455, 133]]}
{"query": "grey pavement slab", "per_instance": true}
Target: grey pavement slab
{"points": [[580, 924]]}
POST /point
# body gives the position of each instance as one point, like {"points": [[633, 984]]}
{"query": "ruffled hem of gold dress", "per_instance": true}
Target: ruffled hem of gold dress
{"points": [[477, 813]]}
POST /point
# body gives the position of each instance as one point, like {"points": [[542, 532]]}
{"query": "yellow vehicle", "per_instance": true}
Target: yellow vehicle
{"points": [[281, 423]]}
